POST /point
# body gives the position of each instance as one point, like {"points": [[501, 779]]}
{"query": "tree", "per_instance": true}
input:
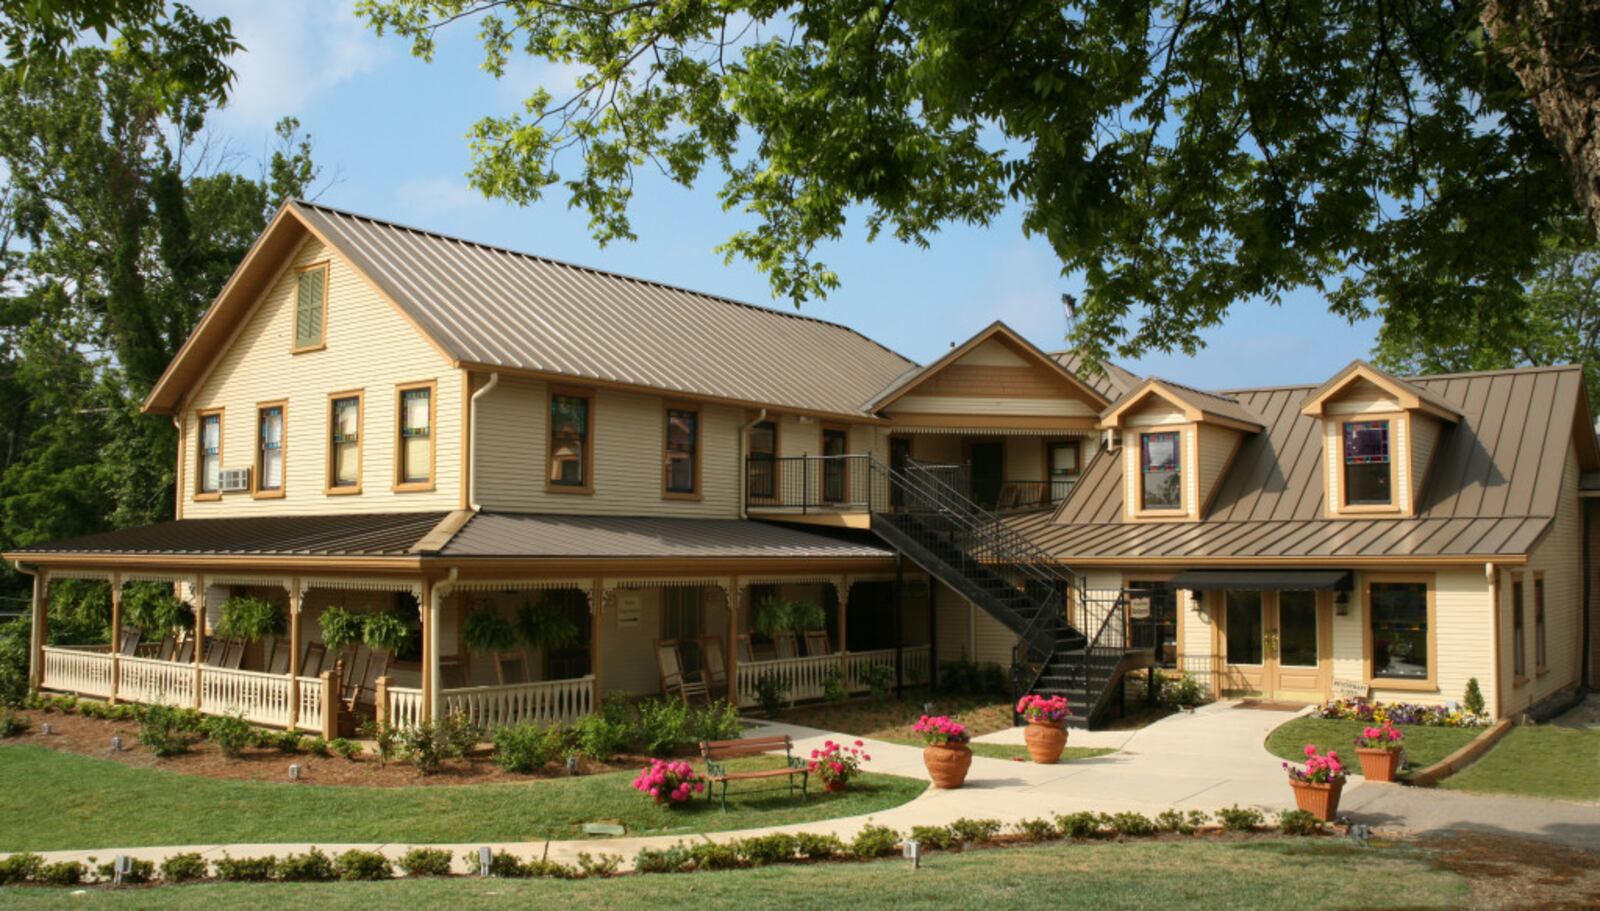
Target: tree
{"points": [[1183, 155], [1559, 325]]}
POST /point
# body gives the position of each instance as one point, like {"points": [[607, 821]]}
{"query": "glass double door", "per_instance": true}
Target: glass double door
{"points": [[1277, 643]]}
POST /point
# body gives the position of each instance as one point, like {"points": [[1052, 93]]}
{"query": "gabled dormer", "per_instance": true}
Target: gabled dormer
{"points": [[1379, 433], [1177, 443]]}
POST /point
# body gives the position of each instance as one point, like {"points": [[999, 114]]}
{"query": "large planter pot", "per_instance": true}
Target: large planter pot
{"points": [[836, 785], [1378, 764], [1046, 740], [947, 763], [1320, 800]]}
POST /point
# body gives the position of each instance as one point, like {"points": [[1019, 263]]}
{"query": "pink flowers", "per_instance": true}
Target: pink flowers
{"points": [[1387, 737], [837, 762], [1319, 769], [669, 782], [939, 730], [1037, 708]]}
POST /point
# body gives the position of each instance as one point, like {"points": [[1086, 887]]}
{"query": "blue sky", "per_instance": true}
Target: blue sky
{"points": [[392, 130]]}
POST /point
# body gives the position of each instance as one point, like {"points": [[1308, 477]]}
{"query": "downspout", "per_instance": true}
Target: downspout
{"points": [[744, 461], [441, 590], [472, 468], [177, 479]]}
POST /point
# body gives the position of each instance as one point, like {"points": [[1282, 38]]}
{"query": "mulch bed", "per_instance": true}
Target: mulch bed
{"points": [[1508, 872], [92, 737]]}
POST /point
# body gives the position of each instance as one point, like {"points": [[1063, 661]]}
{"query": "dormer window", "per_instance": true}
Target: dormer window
{"points": [[1367, 475], [1160, 470]]}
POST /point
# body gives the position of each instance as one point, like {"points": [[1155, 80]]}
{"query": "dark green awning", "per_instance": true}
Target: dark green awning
{"points": [[1262, 580]]}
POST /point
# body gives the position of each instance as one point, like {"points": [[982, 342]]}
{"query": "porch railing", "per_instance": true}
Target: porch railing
{"points": [[311, 699], [847, 483], [804, 678], [155, 682], [260, 698], [405, 707], [81, 669], [544, 702]]}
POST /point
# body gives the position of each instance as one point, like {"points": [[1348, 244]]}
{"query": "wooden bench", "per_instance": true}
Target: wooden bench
{"points": [[716, 752]]}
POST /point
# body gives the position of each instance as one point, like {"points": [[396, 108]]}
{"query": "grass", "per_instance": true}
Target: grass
{"points": [[1136, 876], [74, 801], [891, 720], [1018, 751], [1537, 762], [1424, 745]]}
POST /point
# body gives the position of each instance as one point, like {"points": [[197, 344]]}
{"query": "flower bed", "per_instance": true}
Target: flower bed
{"points": [[669, 782], [836, 763], [1450, 715]]}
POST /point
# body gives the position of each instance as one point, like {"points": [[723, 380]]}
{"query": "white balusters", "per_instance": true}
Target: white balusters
{"points": [[82, 670], [544, 702], [261, 698]]}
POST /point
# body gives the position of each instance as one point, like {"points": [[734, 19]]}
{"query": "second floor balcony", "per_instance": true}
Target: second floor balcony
{"points": [[845, 485]]}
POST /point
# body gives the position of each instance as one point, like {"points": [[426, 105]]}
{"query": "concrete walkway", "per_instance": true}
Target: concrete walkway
{"points": [[1207, 760]]}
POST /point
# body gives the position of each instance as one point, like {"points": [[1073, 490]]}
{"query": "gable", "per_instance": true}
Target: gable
{"points": [[995, 374]]}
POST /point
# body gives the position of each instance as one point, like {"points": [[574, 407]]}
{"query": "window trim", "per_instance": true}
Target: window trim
{"points": [[1050, 445], [1431, 682], [257, 492], [777, 456], [1390, 424], [401, 485], [587, 487], [328, 488], [697, 453], [1182, 509], [202, 495], [844, 463], [294, 348], [1519, 624], [1399, 430], [1541, 626]]}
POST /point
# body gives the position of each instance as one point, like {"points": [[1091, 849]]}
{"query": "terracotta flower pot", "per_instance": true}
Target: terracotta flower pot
{"points": [[1320, 800], [947, 763], [1378, 764], [836, 785], [1046, 740]]}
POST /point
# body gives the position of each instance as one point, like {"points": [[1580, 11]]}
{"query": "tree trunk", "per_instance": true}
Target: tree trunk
{"points": [[1550, 45]]}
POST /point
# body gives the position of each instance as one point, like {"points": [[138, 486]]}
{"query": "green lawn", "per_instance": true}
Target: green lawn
{"points": [[1018, 751], [54, 801], [1537, 762], [1137, 876], [1424, 745]]}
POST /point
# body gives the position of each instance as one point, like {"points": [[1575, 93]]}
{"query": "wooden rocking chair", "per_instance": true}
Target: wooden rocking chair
{"points": [[688, 687], [715, 673], [817, 644], [130, 642], [784, 645], [747, 655], [312, 660]]}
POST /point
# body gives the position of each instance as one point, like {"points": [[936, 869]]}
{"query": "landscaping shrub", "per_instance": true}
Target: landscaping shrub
{"points": [[288, 741], [316, 746], [818, 847], [777, 848], [1181, 692], [15, 640], [879, 679], [1037, 829], [937, 837], [460, 735], [973, 831], [833, 689], [1299, 822], [310, 867], [245, 870], [263, 738], [13, 723], [711, 855], [426, 746], [385, 739], [1082, 824], [675, 859], [1472, 700], [771, 692], [527, 747], [717, 720], [231, 734], [60, 873], [1181, 823], [183, 868], [502, 865], [426, 862], [965, 678], [663, 726], [347, 749], [164, 730], [598, 864], [1240, 819], [139, 872], [19, 868], [600, 737], [1132, 825], [549, 869], [875, 841], [358, 865]]}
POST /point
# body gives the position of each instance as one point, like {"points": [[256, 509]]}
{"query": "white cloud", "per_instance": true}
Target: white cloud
{"points": [[295, 52], [421, 196]]}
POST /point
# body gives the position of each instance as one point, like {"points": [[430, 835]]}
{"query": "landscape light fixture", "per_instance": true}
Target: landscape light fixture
{"points": [[1341, 602], [120, 868], [572, 765], [47, 730], [294, 771], [486, 862], [116, 744], [913, 852]]}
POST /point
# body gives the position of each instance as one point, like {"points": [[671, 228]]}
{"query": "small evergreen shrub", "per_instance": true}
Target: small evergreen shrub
{"points": [[231, 733], [675, 859], [975, 831], [245, 870], [761, 850], [316, 746], [19, 868], [600, 737], [13, 723], [527, 747], [771, 692], [183, 868], [424, 747], [60, 873], [139, 872], [1037, 829], [288, 741], [933, 837], [879, 679], [1299, 822], [426, 862], [385, 740], [310, 867], [364, 865], [1082, 824], [663, 725], [833, 689], [597, 865], [165, 731], [1132, 825], [1240, 819], [1472, 700], [460, 736], [344, 748], [717, 720], [711, 855], [1182, 692], [875, 841], [1180, 822], [818, 847]]}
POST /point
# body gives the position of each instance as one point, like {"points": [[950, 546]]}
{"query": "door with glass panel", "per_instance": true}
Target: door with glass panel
{"points": [[1276, 644], [1244, 641]]}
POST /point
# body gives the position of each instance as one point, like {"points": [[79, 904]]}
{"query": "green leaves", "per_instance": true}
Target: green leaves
{"points": [[250, 618]]}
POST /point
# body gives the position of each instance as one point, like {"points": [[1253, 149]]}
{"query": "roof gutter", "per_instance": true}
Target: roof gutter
{"points": [[472, 478], [744, 460]]}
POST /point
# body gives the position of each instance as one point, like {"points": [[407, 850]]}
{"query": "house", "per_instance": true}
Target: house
{"points": [[378, 419]]}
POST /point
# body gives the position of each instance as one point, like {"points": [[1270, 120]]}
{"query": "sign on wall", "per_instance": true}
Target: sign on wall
{"points": [[630, 608], [1349, 689]]}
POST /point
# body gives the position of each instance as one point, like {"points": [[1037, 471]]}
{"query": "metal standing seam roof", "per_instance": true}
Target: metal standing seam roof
{"points": [[1111, 381], [376, 534], [1212, 403], [494, 307], [1491, 489]]}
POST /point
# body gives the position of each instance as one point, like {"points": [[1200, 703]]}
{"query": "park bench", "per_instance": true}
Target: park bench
{"points": [[717, 752]]}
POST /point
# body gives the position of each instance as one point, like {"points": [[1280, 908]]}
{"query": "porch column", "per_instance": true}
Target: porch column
{"points": [[294, 652], [596, 609], [841, 587], [39, 631], [116, 635], [899, 608], [735, 604], [200, 636], [431, 610]]}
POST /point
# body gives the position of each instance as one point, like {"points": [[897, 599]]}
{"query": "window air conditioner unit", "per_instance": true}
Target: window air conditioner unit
{"points": [[234, 479]]}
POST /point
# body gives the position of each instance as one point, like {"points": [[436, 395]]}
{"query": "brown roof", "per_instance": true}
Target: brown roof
{"points": [[489, 307], [380, 534], [1491, 488], [903, 383], [516, 535], [1209, 404], [1111, 381], [1424, 395]]}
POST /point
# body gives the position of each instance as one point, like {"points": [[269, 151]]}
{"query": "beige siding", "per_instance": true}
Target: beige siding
{"points": [[954, 615], [1424, 437], [1362, 397], [1215, 447], [1591, 514], [1559, 556], [627, 654], [370, 346], [992, 641]]}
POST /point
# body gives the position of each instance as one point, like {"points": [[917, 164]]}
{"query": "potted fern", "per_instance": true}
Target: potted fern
{"points": [[385, 632], [155, 610], [486, 630], [250, 618], [341, 628], [542, 625]]}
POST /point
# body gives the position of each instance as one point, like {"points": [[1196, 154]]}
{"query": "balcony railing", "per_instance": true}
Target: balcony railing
{"points": [[846, 483]]}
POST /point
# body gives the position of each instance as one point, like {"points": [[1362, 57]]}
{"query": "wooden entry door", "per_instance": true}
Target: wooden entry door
{"points": [[1278, 644], [986, 461]]}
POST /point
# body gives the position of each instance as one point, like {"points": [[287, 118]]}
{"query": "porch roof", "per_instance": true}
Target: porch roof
{"points": [[518, 535], [378, 534]]}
